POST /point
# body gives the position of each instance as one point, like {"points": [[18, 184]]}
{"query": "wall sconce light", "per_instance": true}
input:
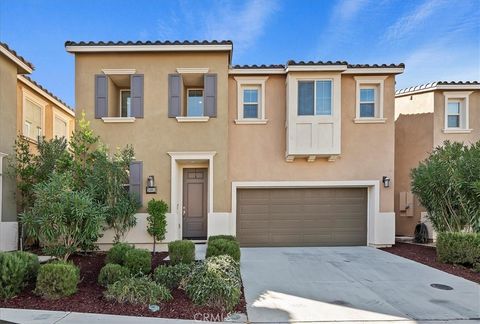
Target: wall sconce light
{"points": [[386, 181], [151, 188]]}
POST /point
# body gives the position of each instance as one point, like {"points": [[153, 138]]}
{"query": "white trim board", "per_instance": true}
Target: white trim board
{"points": [[15, 59], [147, 48]]}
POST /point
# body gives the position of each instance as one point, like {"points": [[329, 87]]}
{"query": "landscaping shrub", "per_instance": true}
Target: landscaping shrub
{"points": [[215, 282], [139, 261], [111, 273], [171, 276], [181, 251], [221, 237], [117, 253], [140, 290], [13, 271], [157, 220], [223, 247], [57, 279], [459, 248], [32, 263]]}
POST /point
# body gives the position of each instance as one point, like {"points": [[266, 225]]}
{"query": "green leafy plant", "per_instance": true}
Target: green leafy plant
{"points": [[117, 253], [32, 264], [111, 273], [13, 273], [221, 237], [171, 276], [139, 261], [459, 248], [137, 290], [57, 279], [182, 251], [223, 247], [157, 221], [215, 282], [447, 185]]}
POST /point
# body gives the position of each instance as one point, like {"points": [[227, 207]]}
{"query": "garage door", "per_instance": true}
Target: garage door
{"points": [[302, 217]]}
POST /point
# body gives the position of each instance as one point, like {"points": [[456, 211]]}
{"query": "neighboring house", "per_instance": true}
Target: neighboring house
{"points": [[426, 116], [283, 155], [28, 109]]}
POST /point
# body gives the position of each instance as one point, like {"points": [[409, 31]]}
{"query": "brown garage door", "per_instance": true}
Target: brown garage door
{"points": [[302, 217]]}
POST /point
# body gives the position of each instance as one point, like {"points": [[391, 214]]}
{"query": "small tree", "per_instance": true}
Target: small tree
{"points": [[157, 221]]}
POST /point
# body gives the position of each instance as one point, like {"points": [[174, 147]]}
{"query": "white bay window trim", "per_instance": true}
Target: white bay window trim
{"points": [[463, 98], [369, 82], [246, 83]]}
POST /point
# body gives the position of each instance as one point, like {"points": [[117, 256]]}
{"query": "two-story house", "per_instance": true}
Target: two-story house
{"points": [[280, 155], [30, 110], [426, 116]]}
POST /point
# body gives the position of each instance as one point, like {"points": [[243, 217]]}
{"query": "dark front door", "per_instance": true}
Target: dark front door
{"points": [[195, 203]]}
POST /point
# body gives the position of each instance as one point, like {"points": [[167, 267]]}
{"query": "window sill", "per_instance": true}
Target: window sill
{"points": [[252, 121], [118, 119], [370, 120], [457, 131], [201, 119]]}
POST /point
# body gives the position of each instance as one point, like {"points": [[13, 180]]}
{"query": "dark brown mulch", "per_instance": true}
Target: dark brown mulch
{"points": [[89, 297], [428, 256]]}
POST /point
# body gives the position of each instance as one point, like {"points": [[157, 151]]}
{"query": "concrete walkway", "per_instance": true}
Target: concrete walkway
{"points": [[350, 284]]}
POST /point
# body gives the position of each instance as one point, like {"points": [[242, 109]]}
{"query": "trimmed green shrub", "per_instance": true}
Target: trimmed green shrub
{"points": [[459, 248], [111, 273], [221, 237], [137, 290], [182, 251], [157, 220], [13, 271], [171, 276], [215, 282], [476, 267], [223, 247], [139, 261], [32, 262], [117, 253], [57, 279]]}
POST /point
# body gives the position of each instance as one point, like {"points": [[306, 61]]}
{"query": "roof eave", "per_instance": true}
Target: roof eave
{"points": [[384, 70], [457, 87], [22, 67]]}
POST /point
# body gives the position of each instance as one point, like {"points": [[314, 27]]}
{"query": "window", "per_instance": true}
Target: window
{"points": [[251, 100], [125, 103], [367, 102], [456, 112], [315, 98], [453, 114], [32, 120], [369, 99], [195, 102], [60, 127]]}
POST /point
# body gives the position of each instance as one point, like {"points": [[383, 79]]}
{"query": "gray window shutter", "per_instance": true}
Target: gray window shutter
{"points": [[136, 95], [210, 84], [174, 94], [101, 96], [135, 181]]}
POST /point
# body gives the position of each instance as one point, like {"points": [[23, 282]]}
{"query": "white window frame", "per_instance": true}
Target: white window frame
{"points": [[120, 103], [64, 119], [315, 97], [369, 82], [251, 82], [27, 95], [188, 108], [463, 98]]}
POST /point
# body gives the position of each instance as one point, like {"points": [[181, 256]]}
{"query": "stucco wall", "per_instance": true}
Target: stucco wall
{"points": [[257, 152], [413, 143], [8, 81], [156, 134], [414, 104]]}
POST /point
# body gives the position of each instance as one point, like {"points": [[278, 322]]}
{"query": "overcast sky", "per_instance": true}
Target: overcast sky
{"points": [[436, 39]]}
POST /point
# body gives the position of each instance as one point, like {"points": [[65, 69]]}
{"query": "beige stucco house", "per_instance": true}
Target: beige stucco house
{"points": [[426, 116], [280, 155], [28, 109]]}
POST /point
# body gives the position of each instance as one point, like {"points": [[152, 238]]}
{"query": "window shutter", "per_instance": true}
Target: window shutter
{"points": [[136, 95], [210, 84], [135, 181], [174, 94], [101, 104]]}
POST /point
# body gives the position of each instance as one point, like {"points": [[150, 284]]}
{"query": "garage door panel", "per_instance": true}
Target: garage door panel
{"points": [[302, 217]]}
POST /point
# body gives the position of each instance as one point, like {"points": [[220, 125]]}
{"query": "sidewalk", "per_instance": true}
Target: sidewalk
{"points": [[27, 316]]}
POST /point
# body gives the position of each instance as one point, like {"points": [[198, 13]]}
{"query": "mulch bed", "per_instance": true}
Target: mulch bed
{"points": [[89, 297], [428, 256]]}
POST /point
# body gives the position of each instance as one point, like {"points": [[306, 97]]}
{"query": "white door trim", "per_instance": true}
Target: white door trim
{"points": [[373, 190]]}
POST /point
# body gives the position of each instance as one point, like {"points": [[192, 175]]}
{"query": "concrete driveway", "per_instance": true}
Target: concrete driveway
{"points": [[350, 284]]}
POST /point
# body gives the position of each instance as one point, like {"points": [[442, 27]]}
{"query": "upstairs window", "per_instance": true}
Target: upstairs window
{"points": [[32, 124], [251, 99], [125, 103], [456, 111], [250, 102], [195, 102], [60, 128], [368, 102], [453, 114], [369, 99], [315, 98]]}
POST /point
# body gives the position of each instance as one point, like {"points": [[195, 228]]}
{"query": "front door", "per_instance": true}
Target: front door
{"points": [[194, 209]]}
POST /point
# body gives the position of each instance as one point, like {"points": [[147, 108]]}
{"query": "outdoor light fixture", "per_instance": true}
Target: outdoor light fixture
{"points": [[386, 181], [151, 189]]}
